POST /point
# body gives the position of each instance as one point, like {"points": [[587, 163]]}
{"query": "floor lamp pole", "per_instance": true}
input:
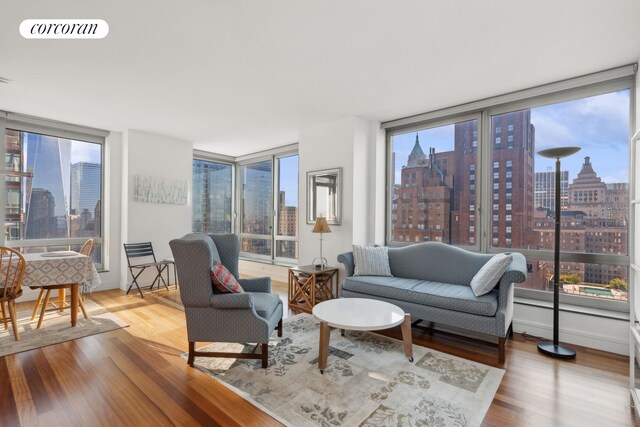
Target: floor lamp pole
{"points": [[554, 348]]}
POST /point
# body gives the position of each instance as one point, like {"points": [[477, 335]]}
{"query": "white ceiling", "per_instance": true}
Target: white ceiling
{"points": [[239, 76]]}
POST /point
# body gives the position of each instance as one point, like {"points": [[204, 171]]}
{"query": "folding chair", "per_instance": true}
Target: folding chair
{"points": [[140, 250]]}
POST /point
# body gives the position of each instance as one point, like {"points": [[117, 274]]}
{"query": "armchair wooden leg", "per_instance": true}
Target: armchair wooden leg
{"points": [[501, 345], [38, 301], [265, 355], [192, 349], [280, 328]]}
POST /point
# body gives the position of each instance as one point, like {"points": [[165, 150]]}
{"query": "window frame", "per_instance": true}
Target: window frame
{"points": [[273, 156], [36, 125], [430, 124], [609, 81]]}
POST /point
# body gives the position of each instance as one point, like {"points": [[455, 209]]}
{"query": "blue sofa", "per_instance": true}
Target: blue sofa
{"points": [[431, 281]]}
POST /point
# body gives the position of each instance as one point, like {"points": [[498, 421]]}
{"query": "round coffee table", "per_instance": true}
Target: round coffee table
{"points": [[360, 314]]}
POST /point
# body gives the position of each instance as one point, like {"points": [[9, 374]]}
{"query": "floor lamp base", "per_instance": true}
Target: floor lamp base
{"points": [[556, 350]]}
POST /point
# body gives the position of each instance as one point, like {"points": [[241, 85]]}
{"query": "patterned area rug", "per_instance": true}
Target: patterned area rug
{"points": [[368, 381], [56, 328]]}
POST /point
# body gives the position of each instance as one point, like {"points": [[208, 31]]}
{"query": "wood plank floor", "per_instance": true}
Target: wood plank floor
{"points": [[134, 376]]}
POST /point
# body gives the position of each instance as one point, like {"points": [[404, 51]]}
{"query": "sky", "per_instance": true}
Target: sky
{"points": [[598, 124], [85, 152]]}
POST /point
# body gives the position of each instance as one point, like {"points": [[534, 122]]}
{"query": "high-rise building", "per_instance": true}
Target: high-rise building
{"points": [[211, 197], [545, 194], [85, 187], [421, 206], [41, 222], [512, 166], [49, 159]]}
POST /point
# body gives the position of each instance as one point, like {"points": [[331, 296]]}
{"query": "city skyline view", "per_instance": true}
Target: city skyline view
{"points": [[599, 125], [435, 192]]}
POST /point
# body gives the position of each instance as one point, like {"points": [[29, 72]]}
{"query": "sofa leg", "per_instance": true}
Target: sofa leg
{"points": [[501, 345], [280, 328], [265, 355], [511, 330], [192, 349]]}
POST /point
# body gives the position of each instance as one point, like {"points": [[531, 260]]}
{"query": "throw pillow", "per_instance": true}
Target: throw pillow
{"points": [[488, 276], [371, 261], [223, 281]]}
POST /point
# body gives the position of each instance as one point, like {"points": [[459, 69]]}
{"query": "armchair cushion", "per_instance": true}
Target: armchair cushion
{"points": [[223, 281]]}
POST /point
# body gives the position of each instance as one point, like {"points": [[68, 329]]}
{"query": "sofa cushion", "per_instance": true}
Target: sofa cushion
{"points": [[435, 294], [265, 304], [371, 261], [489, 275]]}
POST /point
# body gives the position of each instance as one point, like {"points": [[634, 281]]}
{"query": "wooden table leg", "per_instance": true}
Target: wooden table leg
{"points": [[74, 304], [324, 346], [406, 337]]}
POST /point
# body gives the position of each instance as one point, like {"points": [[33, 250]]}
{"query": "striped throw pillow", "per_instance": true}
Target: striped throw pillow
{"points": [[371, 261], [223, 281], [489, 275]]}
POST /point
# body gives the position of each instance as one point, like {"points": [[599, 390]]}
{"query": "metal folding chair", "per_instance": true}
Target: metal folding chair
{"points": [[144, 250]]}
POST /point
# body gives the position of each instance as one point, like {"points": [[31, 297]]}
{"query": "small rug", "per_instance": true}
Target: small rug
{"points": [[368, 380], [56, 328]]}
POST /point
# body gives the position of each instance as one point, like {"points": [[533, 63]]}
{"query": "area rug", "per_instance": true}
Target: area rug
{"points": [[368, 381], [56, 328]]}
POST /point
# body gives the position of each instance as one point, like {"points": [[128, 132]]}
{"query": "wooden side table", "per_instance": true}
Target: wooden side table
{"points": [[309, 285]]}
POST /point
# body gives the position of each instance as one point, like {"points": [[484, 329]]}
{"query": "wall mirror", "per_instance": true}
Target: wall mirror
{"points": [[323, 195]]}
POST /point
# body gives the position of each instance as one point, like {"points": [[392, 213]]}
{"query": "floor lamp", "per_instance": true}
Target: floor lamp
{"points": [[554, 349]]}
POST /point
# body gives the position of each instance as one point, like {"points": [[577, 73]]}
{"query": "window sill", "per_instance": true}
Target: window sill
{"points": [[269, 262], [577, 309]]}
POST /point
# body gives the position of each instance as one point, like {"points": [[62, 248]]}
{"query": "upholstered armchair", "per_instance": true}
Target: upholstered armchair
{"points": [[248, 317]]}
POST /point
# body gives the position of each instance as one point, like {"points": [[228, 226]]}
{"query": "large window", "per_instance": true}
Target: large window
{"points": [[287, 208], [52, 192], [479, 183], [269, 219], [212, 191], [434, 184], [256, 217], [594, 191]]}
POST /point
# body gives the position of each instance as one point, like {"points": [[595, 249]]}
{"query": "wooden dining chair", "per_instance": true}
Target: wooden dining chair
{"points": [[12, 268], [86, 249]]}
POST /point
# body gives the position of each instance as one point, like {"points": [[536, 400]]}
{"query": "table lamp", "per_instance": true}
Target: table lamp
{"points": [[321, 226]]}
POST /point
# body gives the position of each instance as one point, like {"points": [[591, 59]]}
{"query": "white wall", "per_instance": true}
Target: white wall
{"points": [[160, 156], [345, 143]]}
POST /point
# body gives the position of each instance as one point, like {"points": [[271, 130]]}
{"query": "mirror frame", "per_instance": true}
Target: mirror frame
{"points": [[312, 200]]}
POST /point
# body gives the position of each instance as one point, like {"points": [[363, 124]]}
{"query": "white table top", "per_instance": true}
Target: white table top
{"points": [[359, 314]]}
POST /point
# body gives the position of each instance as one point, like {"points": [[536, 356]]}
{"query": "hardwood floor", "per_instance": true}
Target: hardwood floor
{"points": [[135, 376]]}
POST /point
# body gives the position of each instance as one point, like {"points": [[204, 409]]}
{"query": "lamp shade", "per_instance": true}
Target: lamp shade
{"points": [[321, 226]]}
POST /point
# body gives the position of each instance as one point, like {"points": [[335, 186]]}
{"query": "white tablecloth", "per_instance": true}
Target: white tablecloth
{"points": [[45, 271]]}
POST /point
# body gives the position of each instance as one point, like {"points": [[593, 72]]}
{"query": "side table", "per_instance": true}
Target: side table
{"points": [[309, 285]]}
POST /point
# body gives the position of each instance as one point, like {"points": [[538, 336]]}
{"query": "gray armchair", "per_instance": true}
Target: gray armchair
{"points": [[248, 317]]}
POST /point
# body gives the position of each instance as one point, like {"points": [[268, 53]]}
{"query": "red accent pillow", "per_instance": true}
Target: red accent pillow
{"points": [[223, 281]]}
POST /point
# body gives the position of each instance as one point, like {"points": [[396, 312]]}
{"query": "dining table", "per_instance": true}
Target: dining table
{"points": [[61, 270]]}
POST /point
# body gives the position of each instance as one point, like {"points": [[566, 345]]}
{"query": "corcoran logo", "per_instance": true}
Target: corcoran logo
{"points": [[64, 29]]}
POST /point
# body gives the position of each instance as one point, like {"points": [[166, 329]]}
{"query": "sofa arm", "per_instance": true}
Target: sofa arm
{"points": [[347, 259], [232, 301], [516, 273], [256, 284]]}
